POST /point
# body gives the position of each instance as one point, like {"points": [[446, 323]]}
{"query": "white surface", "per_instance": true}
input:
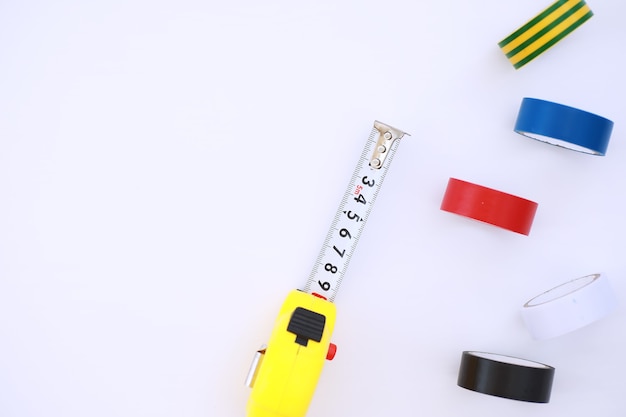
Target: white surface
{"points": [[569, 306], [168, 171]]}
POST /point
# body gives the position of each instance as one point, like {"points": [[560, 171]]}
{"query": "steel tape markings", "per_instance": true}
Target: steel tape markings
{"points": [[353, 211]]}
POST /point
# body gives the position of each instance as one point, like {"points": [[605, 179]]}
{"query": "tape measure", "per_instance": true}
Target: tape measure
{"points": [[353, 211], [284, 373]]}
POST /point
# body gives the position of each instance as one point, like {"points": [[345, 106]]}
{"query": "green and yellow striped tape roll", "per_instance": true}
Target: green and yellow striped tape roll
{"points": [[544, 30]]}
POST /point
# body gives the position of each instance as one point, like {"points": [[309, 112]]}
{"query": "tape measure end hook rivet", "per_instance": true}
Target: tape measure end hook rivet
{"points": [[387, 135]]}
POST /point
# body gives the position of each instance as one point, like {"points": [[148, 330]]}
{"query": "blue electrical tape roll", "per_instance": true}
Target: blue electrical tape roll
{"points": [[563, 126]]}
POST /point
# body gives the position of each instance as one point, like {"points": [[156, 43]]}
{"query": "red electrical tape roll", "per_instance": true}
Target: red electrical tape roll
{"points": [[490, 206]]}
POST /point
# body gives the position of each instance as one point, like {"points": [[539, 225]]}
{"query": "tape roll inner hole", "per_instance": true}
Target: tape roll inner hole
{"points": [[509, 360], [562, 290], [557, 142]]}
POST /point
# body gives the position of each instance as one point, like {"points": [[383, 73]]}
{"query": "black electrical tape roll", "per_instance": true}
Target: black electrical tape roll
{"points": [[506, 376]]}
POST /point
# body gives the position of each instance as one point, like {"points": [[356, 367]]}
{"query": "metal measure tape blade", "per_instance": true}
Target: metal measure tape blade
{"points": [[353, 211]]}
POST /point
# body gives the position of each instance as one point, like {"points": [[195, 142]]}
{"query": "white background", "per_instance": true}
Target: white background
{"points": [[169, 169]]}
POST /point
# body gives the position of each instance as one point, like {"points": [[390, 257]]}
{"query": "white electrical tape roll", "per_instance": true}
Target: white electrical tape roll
{"points": [[569, 306]]}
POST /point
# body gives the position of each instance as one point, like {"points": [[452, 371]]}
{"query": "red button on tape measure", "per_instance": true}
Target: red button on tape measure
{"points": [[490, 206]]}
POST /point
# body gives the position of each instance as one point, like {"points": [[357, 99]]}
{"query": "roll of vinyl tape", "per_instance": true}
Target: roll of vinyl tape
{"points": [[569, 306], [506, 376], [488, 205], [563, 126], [543, 31]]}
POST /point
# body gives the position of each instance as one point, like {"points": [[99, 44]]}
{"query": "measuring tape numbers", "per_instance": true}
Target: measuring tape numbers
{"points": [[353, 211], [284, 373]]}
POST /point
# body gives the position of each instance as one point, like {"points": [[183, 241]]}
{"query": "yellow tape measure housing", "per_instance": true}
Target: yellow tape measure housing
{"points": [[284, 378]]}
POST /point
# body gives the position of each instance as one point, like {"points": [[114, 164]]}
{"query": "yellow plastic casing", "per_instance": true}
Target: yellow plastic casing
{"points": [[289, 371]]}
